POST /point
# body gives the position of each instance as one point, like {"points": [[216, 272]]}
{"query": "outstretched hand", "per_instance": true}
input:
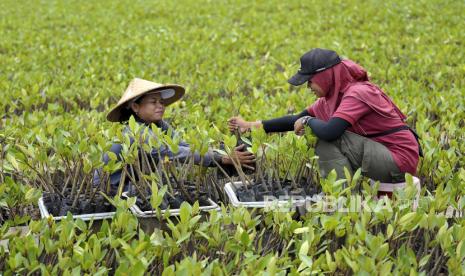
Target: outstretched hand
{"points": [[237, 123]]}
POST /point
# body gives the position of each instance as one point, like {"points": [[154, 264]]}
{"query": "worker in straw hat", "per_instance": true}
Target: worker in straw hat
{"points": [[146, 102]]}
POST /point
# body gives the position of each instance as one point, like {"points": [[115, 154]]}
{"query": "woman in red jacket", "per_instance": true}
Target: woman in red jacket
{"points": [[356, 123]]}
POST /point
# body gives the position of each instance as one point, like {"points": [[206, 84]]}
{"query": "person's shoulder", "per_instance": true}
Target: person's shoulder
{"points": [[353, 97], [357, 86], [357, 90]]}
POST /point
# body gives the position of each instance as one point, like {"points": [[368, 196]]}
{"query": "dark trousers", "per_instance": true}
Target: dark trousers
{"points": [[354, 151]]}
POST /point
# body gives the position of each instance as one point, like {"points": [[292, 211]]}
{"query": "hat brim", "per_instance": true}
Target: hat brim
{"points": [[299, 79], [115, 114]]}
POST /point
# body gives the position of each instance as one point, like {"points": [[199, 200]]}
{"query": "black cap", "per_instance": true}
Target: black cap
{"points": [[312, 62]]}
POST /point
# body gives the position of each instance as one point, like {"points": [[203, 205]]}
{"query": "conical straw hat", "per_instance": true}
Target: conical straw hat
{"points": [[139, 87]]}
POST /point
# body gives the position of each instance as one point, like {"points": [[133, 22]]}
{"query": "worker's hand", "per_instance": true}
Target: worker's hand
{"points": [[299, 127], [244, 158], [237, 122]]}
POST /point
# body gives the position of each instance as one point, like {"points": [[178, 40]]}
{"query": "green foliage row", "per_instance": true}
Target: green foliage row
{"points": [[238, 241]]}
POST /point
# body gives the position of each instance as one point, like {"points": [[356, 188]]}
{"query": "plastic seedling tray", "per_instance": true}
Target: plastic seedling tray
{"points": [[173, 212], [272, 202], [86, 217]]}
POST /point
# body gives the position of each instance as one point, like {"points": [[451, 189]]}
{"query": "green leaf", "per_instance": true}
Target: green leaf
{"points": [[12, 161], [133, 125], [245, 240], [389, 231], [424, 260], [304, 248], [407, 218], [185, 212], [306, 260], [301, 230], [460, 251]]}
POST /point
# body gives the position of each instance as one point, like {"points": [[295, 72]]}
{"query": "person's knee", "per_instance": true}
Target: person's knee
{"points": [[335, 164], [327, 150]]}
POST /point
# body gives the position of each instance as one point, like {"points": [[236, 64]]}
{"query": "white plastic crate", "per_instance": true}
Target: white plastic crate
{"points": [[230, 189], [86, 217], [173, 212]]}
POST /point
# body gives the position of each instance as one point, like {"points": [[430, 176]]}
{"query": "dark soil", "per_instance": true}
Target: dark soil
{"points": [[174, 201], [32, 211], [59, 206], [15, 212], [258, 191]]}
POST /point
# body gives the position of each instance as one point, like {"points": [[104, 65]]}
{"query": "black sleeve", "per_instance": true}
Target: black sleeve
{"points": [[281, 124], [328, 131]]}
